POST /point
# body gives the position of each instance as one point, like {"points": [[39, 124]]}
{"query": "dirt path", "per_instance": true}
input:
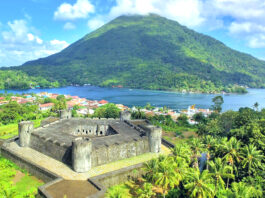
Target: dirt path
{"points": [[18, 176], [71, 189]]}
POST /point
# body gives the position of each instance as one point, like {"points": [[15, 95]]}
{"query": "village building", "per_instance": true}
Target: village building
{"points": [[46, 107]]}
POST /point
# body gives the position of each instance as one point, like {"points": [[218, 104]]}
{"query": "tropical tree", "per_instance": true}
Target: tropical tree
{"points": [[109, 110], [231, 151], [252, 158], [218, 102], [138, 114], [210, 143], [196, 146], [183, 151], [168, 175], [151, 169], [199, 117], [219, 170], [242, 190], [256, 106], [199, 185]]}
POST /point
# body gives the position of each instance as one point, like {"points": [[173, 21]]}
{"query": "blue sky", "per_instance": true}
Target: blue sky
{"points": [[31, 29]]}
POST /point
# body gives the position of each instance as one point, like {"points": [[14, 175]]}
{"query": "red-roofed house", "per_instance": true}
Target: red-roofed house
{"points": [[22, 101], [2, 98], [102, 102], [45, 107]]}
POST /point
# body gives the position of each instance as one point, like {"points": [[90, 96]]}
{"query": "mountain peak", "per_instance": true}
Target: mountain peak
{"points": [[150, 52]]}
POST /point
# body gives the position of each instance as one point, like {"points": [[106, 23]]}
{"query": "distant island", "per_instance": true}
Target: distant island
{"points": [[146, 52]]}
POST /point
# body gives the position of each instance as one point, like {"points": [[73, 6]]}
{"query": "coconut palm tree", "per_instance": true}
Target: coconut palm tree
{"points": [[196, 147], [210, 143], [166, 176], [252, 158], [242, 190], [219, 170], [183, 151], [231, 151], [199, 185], [151, 169]]}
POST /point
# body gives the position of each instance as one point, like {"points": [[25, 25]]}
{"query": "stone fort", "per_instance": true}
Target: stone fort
{"points": [[87, 143]]}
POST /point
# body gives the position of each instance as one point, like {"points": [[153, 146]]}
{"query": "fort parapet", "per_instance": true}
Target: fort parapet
{"points": [[87, 143]]}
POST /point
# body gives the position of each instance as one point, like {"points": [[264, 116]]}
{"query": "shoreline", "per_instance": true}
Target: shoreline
{"points": [[160, 90]]}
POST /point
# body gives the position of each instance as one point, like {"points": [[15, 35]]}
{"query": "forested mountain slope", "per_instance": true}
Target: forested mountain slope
{"points": [[150, 52]]}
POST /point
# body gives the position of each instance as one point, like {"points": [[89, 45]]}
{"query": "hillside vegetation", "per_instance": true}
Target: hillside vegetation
{"points": [[150, 52], [20, 80]]}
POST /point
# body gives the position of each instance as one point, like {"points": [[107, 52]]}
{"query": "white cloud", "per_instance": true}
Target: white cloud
{"points": [[246, 28], [257, 42], [240, 9], [18, 31], [252, 32], [30, 37], [187, 12], [38, 40], [95, 23], [80, 9], [61, 44], [243, 18], [69, 26], [19, 44], [246, 19]]}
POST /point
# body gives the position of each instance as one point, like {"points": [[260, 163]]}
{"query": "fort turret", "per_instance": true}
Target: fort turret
{"points": [[25, 129], [125, 115], [81, 154], [65, 114], [154, 135]]}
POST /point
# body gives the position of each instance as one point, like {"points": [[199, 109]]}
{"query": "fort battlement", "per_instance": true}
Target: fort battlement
{"points": [[87, 143]]}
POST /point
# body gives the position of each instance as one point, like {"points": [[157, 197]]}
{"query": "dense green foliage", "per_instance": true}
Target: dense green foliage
{"points": [[109, 110], [168, 125], [150, 52], [14, 112], [226, 160], [11, 130], [20, 80], [26, 187]]}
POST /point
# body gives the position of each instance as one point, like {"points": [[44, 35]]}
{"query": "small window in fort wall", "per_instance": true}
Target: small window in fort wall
{"points": [[101, 132]]}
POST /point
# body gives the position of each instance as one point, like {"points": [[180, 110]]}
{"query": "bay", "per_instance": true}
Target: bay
{"points": [[173, 100]]}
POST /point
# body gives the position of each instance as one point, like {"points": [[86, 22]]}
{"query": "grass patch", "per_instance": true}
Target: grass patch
{"points": [[121, 191], [25, 187], [11, 130], [26, 183]]}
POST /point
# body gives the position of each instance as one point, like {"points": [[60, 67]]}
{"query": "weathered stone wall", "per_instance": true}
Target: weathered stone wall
{"points": [[32, 168], [65, 114], [107, 154], [25, 129], [119, 176], [51, 148], [99, 156], [91, 130], [125, 115], [81, 154]]}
